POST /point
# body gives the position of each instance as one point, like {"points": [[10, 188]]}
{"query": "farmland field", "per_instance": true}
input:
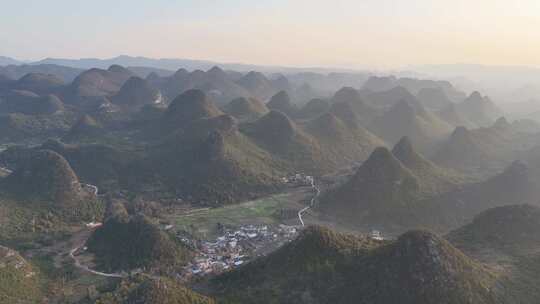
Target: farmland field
{"points": [[261, 211]]}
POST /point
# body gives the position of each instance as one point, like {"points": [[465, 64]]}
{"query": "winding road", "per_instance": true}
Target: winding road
{"points": [[79, 265], [304, 210], [94, 188], [85, 268], [77, 262], [6, 170], [80, 239]]}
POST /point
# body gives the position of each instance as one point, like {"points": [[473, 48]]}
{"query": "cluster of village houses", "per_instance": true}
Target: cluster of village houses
{"points": [[234, 248], [298, 180]]}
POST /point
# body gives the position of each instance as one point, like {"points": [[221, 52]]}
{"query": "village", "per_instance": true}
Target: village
{"points": [[298, 180], [234, 248]]}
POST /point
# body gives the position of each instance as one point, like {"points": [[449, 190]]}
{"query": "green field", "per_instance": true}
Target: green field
{"points": [[204, 222]]}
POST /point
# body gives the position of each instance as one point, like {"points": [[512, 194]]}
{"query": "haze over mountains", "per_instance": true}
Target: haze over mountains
{"points": [[113, 169], [164, 64], [272, 120], [277, 152], [486, 77], [516, 95]]}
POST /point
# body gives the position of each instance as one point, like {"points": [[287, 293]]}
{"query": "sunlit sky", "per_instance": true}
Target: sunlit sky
{"points": [[355, 33]]}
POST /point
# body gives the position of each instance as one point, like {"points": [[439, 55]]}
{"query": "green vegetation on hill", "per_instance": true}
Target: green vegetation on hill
{"points": [[47, 176], [321, 145], [507, 240], [25, 102], [420, 267], [433, 179], [462, 150], [515, 185], [105, 166], [314, 108], [203, 155], [85, 128], [379, 200], [142, 289], [282, 102], [19, 282], [215, 82], [30, 219], [381, 192], [210, 161], [310, 268], [345, 112], [20, 127], [188, 107], [246, 108], [341, 143], [257, 84], [135, 93], [97, 82], [278, 134], [40, 83], [402, 190], [512, 229], [108, 167], [411, 119], [125, 244], [347, 103], [204, 160], [484, 150], [322, 266], [43, 195], [194, 150], [45, 179]]}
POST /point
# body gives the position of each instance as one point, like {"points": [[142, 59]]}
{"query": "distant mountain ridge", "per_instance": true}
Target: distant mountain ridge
{"points": [[488, 148], [174, 64], [16, 71], [8, 60]]}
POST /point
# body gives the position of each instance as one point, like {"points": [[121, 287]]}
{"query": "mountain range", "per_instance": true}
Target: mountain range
{"points": [[126, 157], [163, 63], [324, 266]]}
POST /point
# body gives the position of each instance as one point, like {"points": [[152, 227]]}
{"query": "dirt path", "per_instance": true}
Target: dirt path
{"points": [[79, 240], [87, 269]]}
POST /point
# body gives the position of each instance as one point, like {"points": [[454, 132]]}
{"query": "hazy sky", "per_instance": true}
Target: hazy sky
{"points": [[359, 33]]}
